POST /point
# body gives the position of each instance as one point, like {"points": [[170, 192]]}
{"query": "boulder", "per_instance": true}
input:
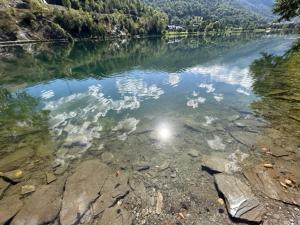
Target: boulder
{"points": [[240, 201], [9, 207], [42, 206], [82, 189]]}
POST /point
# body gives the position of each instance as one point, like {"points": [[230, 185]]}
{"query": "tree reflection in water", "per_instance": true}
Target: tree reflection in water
{"points": [[277, 82]]}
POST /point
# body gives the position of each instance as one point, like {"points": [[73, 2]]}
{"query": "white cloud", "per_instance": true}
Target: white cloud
{"points": [[209, 87], [174, 79], [138, 88], [218, 97], [194, 103], [233, 75], [241, 91], [47, 94]]}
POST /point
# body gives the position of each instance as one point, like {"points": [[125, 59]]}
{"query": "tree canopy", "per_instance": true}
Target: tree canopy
{"points": [[287, 9]]}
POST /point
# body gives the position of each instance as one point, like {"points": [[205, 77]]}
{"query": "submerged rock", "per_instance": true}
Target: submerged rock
{"points": [[50, 177], [107, 157], [216, 164], [264, 180], [42, 206], [26, 189], [82, 188], [193, 153], [3, 187], [244, 137], [9, 207], [14, 160], [216, 143], [141, 167], [14, 176], [240, 201]]}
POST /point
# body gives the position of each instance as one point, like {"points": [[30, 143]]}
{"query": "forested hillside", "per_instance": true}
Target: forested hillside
{"points": [[55, 19], [261, 7], [211, 14]]}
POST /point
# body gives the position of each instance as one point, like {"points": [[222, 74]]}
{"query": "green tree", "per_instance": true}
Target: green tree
{"points": [[287, 9]]}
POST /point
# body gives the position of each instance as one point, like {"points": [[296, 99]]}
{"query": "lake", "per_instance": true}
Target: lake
{"points": [[153, 109]]}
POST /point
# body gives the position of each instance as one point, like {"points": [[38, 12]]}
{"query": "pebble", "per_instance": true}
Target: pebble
{"points": [[50, 177], [141, 167], [164, 166], [26, 189], [193, 153], [220, 201], [107, 157]]}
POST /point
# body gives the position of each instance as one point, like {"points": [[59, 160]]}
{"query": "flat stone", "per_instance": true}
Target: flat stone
{"points": [[50, 177], [15, 160], [193, 153], [240, 201], [26, 189], [3, 187], [61, 169], [42, 206], [244, 137], [265, 181], [115, 188], [81, 189], [14, 176], [165, 165], [141, 167], [107, 157], [216, 164], [9, 207]]}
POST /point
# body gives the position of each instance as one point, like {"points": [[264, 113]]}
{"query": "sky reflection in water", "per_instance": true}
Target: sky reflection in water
{"points": [[84, 112]]}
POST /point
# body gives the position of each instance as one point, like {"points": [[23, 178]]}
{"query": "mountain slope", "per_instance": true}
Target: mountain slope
{"points": [[228, 13], [261, 7], [67, 19]]}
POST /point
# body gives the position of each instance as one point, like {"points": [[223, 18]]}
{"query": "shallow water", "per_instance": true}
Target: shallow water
{"points": [[144, 101], [92, 96]]}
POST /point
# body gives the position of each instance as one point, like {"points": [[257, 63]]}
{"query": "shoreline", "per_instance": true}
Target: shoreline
{"points": [[166, 35]]}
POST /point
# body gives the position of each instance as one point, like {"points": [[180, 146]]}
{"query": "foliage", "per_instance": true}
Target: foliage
{"points": [[200, 15], [82, 19], [287, 9]]}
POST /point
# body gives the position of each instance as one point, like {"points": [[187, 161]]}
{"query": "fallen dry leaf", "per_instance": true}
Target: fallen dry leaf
{"points": [[181, 215], [268, 165], [288, 182], [283, 184], [220, 201]]}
